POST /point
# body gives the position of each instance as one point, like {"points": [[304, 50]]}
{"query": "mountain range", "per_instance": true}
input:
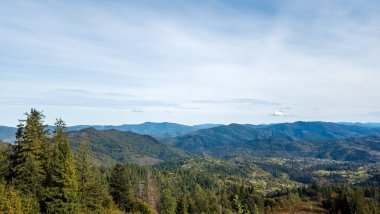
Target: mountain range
{"points": [[149, 143], [157, 130], [299, 139], [235, 134]]}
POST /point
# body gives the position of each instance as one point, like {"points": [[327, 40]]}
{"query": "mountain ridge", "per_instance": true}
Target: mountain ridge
{"points": [[298, 139], [158, 130], [112, 146]]}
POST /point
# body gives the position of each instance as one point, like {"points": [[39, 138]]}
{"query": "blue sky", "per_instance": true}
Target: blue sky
{"points": [[191, 62]]}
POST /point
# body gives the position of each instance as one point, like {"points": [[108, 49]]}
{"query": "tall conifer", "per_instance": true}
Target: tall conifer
{"points": [[62, 184], [28, 164], [93, 195], [121, 188]]}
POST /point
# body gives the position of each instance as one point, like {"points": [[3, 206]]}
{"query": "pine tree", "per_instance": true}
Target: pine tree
{"points": [[238, 205], [4, 157], [62, 184], [11, 201], [183, 204], [168, 202], [28, 163], [121, 189], [200, 199], [92, 194]]}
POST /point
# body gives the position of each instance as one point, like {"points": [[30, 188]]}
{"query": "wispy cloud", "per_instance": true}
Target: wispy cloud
{"points": [[248, 101], [82, 98]]}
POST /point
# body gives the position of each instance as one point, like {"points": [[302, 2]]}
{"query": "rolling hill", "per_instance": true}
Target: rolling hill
{"points": [[318, 131], [236, 134], [111, 146], [351, 149], [299, 139]]}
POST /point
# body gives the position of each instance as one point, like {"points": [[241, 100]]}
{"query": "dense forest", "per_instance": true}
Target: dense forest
{"points": [[41, 173]]}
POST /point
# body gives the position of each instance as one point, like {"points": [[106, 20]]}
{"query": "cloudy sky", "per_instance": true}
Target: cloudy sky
{"points": [[191, 62]]}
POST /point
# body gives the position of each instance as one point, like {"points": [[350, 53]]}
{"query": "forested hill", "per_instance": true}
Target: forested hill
{"points": [[351, 149], [317, 131], [159, 130], [299, 139], [112, 146]]}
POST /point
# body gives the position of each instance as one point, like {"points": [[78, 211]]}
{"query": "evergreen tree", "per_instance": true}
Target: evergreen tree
{"points": [[28, 165], [168, 202], [200, 199], [183, 205], [92, 194], [4, 168], [121, 188], [62, 184], [240, 207], [12, 201]]}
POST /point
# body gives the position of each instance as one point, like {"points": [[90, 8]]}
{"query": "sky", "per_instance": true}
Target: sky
{"points": [[190, 61]]}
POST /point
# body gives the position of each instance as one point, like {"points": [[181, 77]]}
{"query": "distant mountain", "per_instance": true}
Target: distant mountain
{"points": [[317, 131], [159, 130], [235, 134], [299, 139], [7, 134], [111, 146]]}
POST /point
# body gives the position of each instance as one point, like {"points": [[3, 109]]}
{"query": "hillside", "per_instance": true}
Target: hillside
{"points": [[111, 146], [158, 130], [232, 134], [299, 139], [318, 131], [351, 149]]}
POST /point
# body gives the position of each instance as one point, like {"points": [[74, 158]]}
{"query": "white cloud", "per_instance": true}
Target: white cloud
{"points": [[278, 113]]}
